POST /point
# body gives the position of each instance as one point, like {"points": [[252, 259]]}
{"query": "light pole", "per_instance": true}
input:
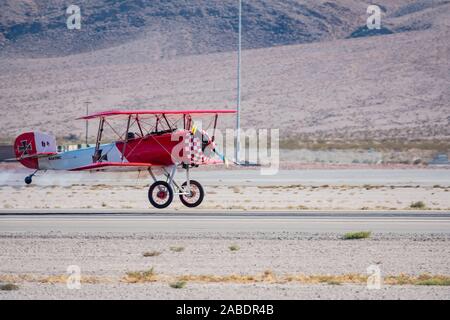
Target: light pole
{"points": [[238, 105], [87, 122]]}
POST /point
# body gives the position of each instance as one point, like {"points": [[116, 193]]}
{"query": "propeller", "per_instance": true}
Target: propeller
{"points": [[224, 159], [206, 143]]}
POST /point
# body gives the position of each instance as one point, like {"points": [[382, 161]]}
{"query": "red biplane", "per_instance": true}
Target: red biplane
{"points": [[158, 141]]}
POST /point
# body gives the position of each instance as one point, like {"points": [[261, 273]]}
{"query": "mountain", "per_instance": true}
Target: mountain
{"points": [[37, 28]]}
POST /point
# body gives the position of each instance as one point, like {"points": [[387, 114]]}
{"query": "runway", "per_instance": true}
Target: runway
{"points": [[312, 222]]}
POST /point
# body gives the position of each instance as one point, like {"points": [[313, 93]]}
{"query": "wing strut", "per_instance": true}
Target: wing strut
{"points": [[167, 121], [97, 155], [126, 138], [139, 125], [214, 130]]}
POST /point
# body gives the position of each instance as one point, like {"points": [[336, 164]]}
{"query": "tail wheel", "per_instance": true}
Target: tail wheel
{"points": [[28, 180], [196, 194], [160, 194]]}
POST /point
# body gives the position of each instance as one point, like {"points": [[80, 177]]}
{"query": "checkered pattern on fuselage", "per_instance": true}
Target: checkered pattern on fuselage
{"points": [[193, 149]]}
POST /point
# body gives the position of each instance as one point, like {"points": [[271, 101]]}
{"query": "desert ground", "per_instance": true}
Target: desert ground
{"points": [[256, 265]]}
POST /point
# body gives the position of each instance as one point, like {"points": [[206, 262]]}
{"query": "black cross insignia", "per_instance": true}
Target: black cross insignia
{"points": [[25, 146]]}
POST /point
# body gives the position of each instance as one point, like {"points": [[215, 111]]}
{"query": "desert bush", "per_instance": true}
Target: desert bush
{"points": [[151, 254], [178, 284], [357, 235], [418, 205]]}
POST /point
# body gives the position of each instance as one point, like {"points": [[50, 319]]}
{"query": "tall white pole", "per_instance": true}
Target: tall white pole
{"points": [[87, 121], [238, 106]]}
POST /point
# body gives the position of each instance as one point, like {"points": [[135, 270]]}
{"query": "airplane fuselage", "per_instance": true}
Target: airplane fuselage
{"points": [[156, 149]]}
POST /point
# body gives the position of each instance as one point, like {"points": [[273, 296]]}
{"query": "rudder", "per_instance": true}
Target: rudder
{"points": [[29, 146]]}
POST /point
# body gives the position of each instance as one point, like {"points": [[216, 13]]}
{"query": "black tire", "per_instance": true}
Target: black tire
{"points": [[197, 197], [160, 201], [28, 180]]}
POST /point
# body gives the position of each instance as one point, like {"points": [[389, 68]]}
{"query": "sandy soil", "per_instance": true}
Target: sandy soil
{"points": [[230, 291], [113, 255], [376, 87]]}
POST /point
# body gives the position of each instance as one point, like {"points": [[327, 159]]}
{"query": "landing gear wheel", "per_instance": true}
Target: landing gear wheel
{"points": [[28, 180], [196, 197], [160, 194]]}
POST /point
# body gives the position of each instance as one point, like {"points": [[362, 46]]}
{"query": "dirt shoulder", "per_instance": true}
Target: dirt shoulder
{"points": [[244, 265]]}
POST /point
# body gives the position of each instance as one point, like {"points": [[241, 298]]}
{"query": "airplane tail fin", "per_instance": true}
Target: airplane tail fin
{"points": [[30, 146]]}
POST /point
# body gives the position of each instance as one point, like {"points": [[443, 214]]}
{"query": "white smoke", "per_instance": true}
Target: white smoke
{"points": [[15, 178]]}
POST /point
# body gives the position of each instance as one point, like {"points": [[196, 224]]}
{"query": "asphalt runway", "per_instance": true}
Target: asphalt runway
{"points": [[313, 222]]}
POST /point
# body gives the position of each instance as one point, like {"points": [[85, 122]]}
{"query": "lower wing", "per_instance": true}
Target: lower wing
{"points": [[114, 166]]}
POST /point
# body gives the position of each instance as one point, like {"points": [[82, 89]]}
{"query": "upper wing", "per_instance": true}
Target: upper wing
{"points": [[111, 165], [125, 113]]}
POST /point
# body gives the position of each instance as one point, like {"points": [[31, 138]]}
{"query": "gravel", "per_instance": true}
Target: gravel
{"points": [[112, 255], [216, 291]]}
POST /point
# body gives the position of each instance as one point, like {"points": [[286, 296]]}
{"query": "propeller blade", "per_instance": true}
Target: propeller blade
{"points": [[225, 160]]}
